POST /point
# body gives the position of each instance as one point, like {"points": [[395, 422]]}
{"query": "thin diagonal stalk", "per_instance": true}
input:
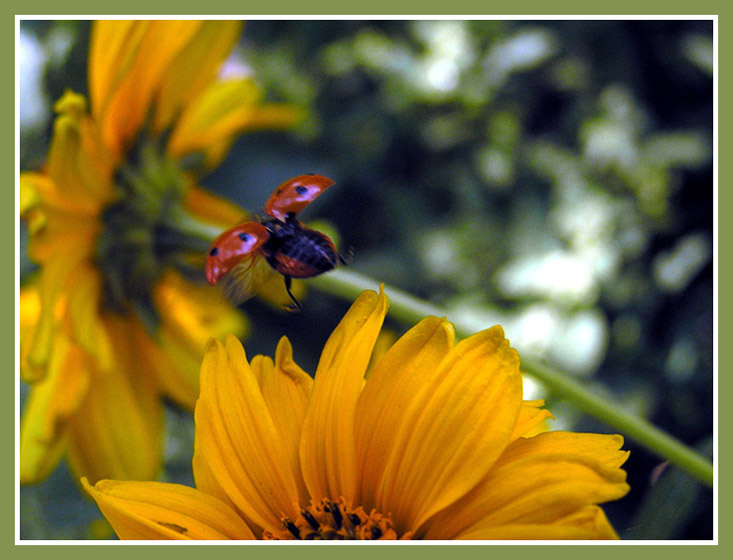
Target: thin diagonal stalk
{"points": [[409, 309]]}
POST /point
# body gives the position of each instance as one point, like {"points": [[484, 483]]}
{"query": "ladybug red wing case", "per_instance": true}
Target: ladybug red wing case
{"points": [[294, 195], [234, 246], [288, 247]]}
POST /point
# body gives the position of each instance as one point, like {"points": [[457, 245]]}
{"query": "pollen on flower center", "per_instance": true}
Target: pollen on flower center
{"points": [[336, 520]]}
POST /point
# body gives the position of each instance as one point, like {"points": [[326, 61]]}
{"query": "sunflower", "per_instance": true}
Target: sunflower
{"points": [[115, 320], [436, 443]]}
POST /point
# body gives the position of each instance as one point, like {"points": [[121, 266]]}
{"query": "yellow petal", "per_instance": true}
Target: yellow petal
{"points": [[140, 53], [239, 441], [29, 196], [215, 142], [212, 121], [211, 208], [589, 523], [29, 307], [540, 480], [118, 430], [451, 430], [531, 419], [205, 479], [286, 389], [78, 163], [55, 230], [50, 405], [396, 378], [327, 451], [52, 283], [194, 69], [207, 482], [112, 48], [191, 314], [174, 368], [38, 191], [85, 294], [385, 341], [53, 241], [156, 510]]}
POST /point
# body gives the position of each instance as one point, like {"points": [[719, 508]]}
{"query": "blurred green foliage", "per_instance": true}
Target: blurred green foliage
{"points": [[552, 176]]}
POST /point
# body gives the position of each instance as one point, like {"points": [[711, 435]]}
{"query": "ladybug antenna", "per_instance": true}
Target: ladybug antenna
{"points": [[296, 307]]}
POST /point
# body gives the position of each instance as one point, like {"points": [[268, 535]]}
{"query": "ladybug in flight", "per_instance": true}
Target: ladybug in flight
{"points": [[288, 246]]}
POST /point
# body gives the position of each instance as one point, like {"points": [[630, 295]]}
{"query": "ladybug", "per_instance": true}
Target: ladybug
{"points": [[288, 246]]}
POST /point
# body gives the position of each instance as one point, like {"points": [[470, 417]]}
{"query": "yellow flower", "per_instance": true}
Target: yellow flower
{"points": [[112, 323], [434, 444]]}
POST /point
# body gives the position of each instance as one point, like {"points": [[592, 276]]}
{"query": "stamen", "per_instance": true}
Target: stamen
{"points": [[337, 520], [292, 527], [308, 516], [333, 509]]}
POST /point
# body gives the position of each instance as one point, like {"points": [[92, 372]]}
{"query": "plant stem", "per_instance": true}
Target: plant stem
{"points": [[409, 309]]}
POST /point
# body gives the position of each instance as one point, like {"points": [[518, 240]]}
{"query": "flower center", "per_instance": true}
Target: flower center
{"points": [[146, 230], [336, 520]]}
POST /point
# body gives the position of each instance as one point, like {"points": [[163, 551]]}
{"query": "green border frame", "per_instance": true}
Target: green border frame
{"points": [[321, 7]]}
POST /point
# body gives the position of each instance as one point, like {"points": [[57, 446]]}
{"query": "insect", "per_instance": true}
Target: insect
{"points": [[288, 246]]}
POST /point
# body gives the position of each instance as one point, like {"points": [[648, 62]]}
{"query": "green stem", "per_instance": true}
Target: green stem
{"points": [[410, 309], [178, 219]]}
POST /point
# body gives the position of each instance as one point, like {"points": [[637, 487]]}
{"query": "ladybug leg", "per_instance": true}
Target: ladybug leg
{"points": [[296, 307], [345, 259]]}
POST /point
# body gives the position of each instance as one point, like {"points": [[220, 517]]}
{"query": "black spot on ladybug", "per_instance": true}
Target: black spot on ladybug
{"points": [[287, 246]]}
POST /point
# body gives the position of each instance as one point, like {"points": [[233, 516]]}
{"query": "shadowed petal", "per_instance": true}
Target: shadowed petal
{"points": [[85, 293], [589, 523], [286, 389], [540, 480], [531, 419], [49, 406], [155, 510], [118, 429], [193, 314], [205, 480], [53, 280], [238, 440]]}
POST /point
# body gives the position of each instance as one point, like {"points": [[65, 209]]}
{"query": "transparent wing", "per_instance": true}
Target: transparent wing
{"points": [[255, 278], [245, 279]]}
